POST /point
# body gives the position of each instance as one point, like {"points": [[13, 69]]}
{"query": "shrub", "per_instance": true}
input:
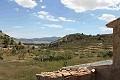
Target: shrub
{"points": [[87, 55], [1, 58], [53, 56], [65, 63], [105, 54], [83, 55]]}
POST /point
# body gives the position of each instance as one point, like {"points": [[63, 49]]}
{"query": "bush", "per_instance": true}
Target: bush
{"points": [[14, 51], [1, 58], [105, 54], [87, 55], [53, 56], [83, 55], [65, 63]]}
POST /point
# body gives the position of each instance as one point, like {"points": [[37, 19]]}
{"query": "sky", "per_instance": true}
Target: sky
{"points": [[47, 18]]}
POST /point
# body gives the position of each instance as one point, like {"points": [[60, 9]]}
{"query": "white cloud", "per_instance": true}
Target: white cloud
{"points": [[42, 27], [43, 7], [107, 17], [70, 29], [47, 16], [54, 26], [41, 1], [84, 5], [10, 0], [64, 19], [38, 23], [27, 10], [17, 9], [26, 3], [106, 29], [92, 14]]}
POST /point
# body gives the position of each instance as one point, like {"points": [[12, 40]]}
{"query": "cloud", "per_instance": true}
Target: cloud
{"points": [[47, 16], [84, 5], [69, 29], [106, 29], [43, 7], [10, 0], [107, 17], [54, 26], [41, 1], [92, 14], [18, 27], [26, 3], [27, 10], [64, 19], [39, 23], [17, 9], [42, 27]]}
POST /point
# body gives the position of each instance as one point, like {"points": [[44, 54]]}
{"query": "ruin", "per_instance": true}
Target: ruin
{"points": [[103, 72]]}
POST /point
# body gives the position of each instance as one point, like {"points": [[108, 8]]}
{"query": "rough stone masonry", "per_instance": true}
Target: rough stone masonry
{"points": [[108, 72]]}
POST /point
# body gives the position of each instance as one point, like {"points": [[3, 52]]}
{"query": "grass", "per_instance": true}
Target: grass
{"points": [[26, 70]]}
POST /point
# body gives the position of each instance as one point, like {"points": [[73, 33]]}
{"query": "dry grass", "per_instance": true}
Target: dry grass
{"points": [[26, 70]]}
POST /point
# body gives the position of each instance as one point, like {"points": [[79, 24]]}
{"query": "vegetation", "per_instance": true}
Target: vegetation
{"points": [[75, 42], [26, 70], [48, 55], [22, 62]]}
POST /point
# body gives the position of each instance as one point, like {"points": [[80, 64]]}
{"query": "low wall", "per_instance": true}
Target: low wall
{"points": [[84, 77], [107, 72], [82, 74]]}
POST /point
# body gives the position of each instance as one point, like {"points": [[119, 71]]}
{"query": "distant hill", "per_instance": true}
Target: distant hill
{"points": [[37, 40], [82, 42], [6, 40]]}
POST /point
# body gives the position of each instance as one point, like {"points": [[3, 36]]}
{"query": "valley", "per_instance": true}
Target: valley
{"points": [[19, 61]]}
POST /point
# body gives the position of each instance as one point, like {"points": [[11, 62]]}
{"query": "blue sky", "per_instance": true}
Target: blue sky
{"points": [[46, 18]]}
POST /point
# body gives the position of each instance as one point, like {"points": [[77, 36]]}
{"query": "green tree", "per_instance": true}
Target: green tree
{"points": [[1, 53], [19, 43], [11, 42], [6, 43], [0, 31], [14, 51]]}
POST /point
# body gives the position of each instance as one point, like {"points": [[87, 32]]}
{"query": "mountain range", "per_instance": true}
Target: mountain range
{"points": [[37, 40]]}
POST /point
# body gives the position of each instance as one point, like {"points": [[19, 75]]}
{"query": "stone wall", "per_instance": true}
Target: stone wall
{"points": [[78, 74]]}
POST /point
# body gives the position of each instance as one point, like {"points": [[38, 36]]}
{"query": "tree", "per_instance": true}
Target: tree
{"points": [[19, 43], [64, 63], [1, 53], [6, 43], [33, 47], [14, 51], [0, 31], [12, 41]]}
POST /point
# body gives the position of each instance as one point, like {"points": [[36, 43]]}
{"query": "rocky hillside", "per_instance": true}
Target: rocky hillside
{"points": [[82, 42], [6, 41]]}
